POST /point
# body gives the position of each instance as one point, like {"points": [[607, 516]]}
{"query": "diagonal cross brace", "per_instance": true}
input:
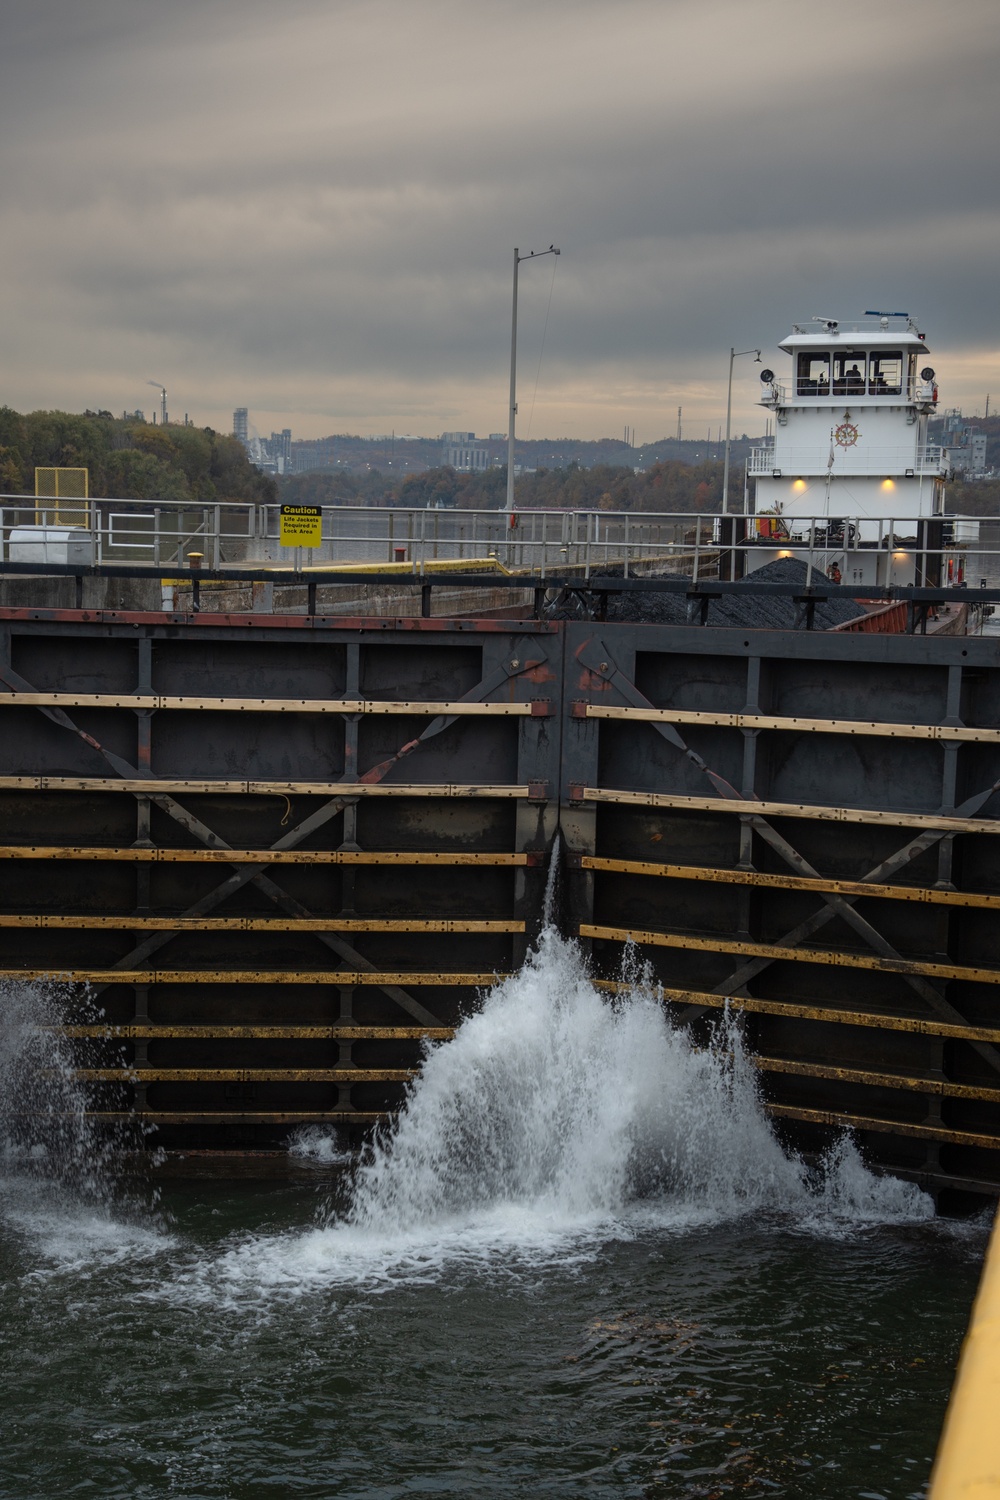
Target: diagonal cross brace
{"points": [[836, 905], [481, 691], [254, 874], [242, 876]]}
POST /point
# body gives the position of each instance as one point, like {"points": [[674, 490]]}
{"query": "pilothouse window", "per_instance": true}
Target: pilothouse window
{"points": [[814, 375], [886, 374], [849, 372]]}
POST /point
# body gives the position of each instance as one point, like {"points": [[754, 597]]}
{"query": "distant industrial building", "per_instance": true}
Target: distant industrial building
{"points": [[970, 458], [461, 451], [271, 455]]}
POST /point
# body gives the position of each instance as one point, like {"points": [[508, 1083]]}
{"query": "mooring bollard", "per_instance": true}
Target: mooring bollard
{"points": [[195, 560]]}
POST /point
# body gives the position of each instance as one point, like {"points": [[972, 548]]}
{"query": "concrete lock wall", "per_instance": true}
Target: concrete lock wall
{"points": [[280, 854]]}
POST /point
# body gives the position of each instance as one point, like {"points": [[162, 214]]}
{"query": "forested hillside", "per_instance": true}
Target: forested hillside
{"points": [[127, 459], [662, 487]]}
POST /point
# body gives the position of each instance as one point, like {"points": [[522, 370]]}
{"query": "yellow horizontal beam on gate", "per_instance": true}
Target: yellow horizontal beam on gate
{"points": [[380, 977], [915, 1025], [142, 1031], [763, 809], [784, 722], [829, 957], [259, 924], [967, 1466], [242, 1117], [259, 856], [845, 1121], [128, 1073], [711, 873], [451, 707], [166, 786], [941, 1088], [243, 1075]]}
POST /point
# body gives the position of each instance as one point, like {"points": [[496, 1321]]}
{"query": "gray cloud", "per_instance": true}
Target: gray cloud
{"points": [[312, 210]]}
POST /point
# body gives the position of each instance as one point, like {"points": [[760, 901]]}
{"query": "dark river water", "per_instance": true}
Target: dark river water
{"points": [[582, 1267]]}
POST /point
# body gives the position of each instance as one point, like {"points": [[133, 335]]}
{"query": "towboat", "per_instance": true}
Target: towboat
{"points": [[847, 480]]}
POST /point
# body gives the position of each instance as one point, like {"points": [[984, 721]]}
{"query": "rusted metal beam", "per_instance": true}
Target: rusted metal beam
{"points": [[708, 1000], [133, 1031], [129, 923], [884, 730], [920, 894], [128, 1074], [200, 786], [133, 1073], [454, 708], [829, 957], [844, 1121], [762, 807], [243, 1117], [378, 977], [275, 856], [938, 1087]]}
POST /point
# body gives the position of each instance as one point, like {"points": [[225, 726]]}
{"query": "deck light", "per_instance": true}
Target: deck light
{"points": [[775, 473], [909, 473]]}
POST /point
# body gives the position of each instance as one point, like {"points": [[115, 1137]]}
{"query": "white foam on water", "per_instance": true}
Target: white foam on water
{"points": [[318, 1145], [553, 1121], [61, 1191]]}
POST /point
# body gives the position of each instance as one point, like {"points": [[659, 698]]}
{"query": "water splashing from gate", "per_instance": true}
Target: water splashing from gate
{"points": [[63, 1173], [553, 1102]]}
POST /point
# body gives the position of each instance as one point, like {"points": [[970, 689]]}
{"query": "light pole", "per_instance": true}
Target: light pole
{"points": [[513, 371], [734, 354]]}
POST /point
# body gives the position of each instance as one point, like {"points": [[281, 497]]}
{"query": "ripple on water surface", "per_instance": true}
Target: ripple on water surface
{"points": [[581, 1266]]}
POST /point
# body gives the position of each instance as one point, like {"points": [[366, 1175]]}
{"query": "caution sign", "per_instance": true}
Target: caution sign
{"points": [[301, 526]]}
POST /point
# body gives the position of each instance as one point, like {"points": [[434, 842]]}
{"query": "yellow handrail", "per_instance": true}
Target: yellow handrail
{"points": [[967, 1466]]}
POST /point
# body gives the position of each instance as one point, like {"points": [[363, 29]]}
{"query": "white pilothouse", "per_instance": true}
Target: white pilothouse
{"points": [[849, 475]]}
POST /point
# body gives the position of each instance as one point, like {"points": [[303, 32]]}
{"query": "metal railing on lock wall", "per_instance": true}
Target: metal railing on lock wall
{"points": [[536, 542], [876, 551]]}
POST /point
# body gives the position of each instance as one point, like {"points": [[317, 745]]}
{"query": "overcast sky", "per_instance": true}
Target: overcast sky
{"points": [[310, 208]]}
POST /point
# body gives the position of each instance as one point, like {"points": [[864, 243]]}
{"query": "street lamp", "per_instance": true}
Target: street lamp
{"points": [[734, 354], [513, 367]]}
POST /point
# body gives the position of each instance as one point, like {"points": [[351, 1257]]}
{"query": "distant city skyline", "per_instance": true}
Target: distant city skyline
{"points": [[219, 197]]}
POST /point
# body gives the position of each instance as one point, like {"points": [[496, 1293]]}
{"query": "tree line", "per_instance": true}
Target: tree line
{"points": [[669, 486], [127, 458]]}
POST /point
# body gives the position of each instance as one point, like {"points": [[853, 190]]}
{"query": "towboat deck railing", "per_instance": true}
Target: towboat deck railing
{"points": [[893, 462], [781, 392]]}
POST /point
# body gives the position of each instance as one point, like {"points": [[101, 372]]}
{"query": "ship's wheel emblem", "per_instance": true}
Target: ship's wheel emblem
{"points": [[846, 435]]}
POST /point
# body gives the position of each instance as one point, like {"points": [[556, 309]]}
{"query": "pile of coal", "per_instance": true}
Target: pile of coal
{"points": [[744, 609]]}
